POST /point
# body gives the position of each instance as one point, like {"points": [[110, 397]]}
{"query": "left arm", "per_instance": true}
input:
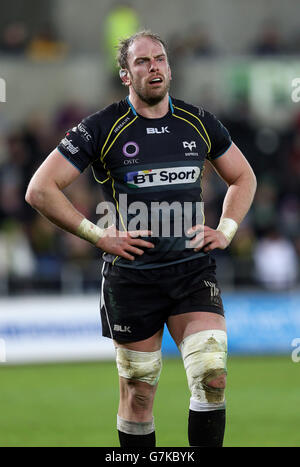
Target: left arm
{"points": [[235, 170]]}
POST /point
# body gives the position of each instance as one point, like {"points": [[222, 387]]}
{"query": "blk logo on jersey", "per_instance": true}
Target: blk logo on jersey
{"points": [[158, 131], [158, 177]]}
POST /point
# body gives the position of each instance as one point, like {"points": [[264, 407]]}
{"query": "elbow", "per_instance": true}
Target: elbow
{"points": [[254, 183], [248, 179], [34, 196]]}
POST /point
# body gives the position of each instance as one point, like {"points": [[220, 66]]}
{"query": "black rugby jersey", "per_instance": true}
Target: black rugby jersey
{"points": [[150, 170]]}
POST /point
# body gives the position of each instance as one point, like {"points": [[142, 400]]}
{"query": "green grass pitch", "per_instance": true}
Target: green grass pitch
{"points": [[75, 404]]}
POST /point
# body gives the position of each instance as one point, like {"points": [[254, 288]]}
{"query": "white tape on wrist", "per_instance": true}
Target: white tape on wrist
{"points": [[89, 231], [228, 227]]}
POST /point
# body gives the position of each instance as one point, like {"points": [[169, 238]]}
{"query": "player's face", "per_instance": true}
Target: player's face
{"points": [[149, 73]]}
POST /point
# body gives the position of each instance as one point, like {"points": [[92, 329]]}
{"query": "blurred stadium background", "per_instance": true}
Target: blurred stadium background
{"points": [[240, 60]]}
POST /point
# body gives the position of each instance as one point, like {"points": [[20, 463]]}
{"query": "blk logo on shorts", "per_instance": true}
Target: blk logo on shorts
{"points": [[119, 328]]}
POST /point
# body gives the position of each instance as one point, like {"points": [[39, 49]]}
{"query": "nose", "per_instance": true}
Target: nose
{"points": [[153, 65]]}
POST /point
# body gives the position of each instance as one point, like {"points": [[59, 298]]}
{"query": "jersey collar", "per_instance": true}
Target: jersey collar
{"points": [[135, 113]]}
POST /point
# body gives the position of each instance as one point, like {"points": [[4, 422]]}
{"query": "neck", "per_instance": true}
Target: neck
{"points": [[150, 111]]}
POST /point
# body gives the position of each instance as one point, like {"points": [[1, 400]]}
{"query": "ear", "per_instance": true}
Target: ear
{"points": [[124, 75], [170, 73]]}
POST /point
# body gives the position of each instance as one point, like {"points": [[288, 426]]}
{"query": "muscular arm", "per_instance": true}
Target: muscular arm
{"points": [[234, 169], [45, 194]]}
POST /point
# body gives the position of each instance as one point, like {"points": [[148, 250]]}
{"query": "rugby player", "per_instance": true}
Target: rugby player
{"points": [[152, 147]]}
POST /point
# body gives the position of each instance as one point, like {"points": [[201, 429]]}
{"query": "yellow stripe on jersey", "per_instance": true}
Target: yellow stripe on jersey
{"points": [[98, 181], [114, 196], [111, 130], [201, 198], [190, 123], [121, 131], [197, 118], [102, 156], [113, 263]]}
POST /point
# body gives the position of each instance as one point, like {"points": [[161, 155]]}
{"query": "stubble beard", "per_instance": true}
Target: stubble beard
{"points": [[150, 98]]}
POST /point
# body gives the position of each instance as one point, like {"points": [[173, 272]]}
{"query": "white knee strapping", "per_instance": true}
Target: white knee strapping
{"points": [[204, 355], [135, 428], [141, 366]]}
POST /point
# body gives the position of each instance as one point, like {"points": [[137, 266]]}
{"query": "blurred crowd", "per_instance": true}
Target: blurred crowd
{"points": [[268, 41], [45, 43], [37, 256], [266, 249], [16, 40], [34, 254]]}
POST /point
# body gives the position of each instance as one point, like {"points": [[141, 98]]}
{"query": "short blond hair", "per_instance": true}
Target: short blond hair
{"points": [[124, 44]]}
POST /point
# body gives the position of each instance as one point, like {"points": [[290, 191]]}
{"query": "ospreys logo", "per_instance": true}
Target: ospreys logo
{"points": [[191, 145], [165, 176]]}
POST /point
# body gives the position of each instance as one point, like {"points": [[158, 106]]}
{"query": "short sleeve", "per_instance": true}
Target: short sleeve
{"points": [[79, 145], [219, 137]]}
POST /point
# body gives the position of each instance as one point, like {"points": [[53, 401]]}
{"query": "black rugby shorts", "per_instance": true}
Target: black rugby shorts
{"points": [[135, 304]]}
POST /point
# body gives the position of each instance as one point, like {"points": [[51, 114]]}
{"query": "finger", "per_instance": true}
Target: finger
{"points": [[208, 235], [207, 228], [127, 256], [207, 240], [142, 243], [196, 243], [134, 250], [199, 238], [198, 247], [140, 233], [193, 230], [211, 246]]}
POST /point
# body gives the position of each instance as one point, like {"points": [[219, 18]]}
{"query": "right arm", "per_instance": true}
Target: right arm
{"points": [[45, 194]]}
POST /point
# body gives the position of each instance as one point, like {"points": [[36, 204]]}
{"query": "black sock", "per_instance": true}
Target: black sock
{"points": [[128, 440], [206, 429]]}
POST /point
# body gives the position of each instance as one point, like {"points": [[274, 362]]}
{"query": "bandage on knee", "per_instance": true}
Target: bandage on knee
{"points": [[204, 355], [135, 428], [141, 366]]}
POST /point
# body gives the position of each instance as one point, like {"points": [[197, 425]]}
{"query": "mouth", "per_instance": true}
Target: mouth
{"points": [[155, 81]]}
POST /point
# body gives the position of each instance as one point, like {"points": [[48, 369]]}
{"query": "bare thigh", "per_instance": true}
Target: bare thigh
{"points": [[151, 344], [185, 324]]}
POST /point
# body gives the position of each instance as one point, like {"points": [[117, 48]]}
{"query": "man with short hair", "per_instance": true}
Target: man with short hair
{"points": [[152, 148]]}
